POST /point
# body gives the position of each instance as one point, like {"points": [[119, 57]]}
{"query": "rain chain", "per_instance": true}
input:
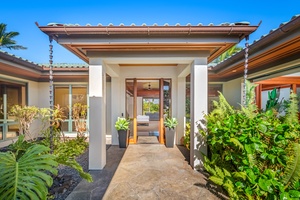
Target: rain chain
{"points": [[51, 91], [245, 71]]}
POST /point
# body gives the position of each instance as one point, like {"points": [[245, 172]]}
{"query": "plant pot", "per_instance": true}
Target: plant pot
{"points": [[170, 136], [123, 138]]}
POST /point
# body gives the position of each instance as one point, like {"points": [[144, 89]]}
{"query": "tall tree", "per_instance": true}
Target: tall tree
{"points": [[228, 53], [6, 38]]}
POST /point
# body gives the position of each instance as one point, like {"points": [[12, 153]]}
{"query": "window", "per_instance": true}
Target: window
{"points": [[11, 94], [66, 96]]}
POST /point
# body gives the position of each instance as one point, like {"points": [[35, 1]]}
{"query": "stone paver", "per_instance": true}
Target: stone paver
{"points": [[145, 171], [102, 178], [152, 171]]}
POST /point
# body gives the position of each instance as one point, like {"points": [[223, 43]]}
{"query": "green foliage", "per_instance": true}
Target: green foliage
{"points": [[6, 38], [26, 176], [66, 153], [254, 154], [272, 100], [228, 53], [292, 171], [170, 123], [292, 110], [122, 124], [186, 138], [24, 116], [250, 108], [150, 105]]}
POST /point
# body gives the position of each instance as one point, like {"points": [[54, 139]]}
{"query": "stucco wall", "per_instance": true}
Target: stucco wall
{"points": [[232, 92]]}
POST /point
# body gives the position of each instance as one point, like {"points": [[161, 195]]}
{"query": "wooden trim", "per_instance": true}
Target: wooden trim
{"points": [[258, 91], [294, 88], [161, 111], [134, 111]]}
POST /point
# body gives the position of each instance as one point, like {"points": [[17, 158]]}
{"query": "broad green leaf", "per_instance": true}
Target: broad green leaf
{"points": [[294, 193], [284, 196], [266, 185], [262, 128], [26, 181]]}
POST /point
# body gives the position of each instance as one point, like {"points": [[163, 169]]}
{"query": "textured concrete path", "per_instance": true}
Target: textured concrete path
{"points": [[152, 171], [102, 178]]}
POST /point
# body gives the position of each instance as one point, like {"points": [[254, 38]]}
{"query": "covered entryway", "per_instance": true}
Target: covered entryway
{"points": [[146, 52], [148, 103]]}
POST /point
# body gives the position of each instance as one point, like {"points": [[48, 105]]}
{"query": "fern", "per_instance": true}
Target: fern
{"points": [[250, 108], [236, 143], [221, 111], [292, 172], [27, 177], [292, 111]]}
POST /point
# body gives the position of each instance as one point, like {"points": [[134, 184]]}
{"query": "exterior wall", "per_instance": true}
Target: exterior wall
{"points": [[232, 91]]}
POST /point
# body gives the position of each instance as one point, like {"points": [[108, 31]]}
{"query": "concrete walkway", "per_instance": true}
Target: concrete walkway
{"points": [[152, 171], [146, 171]]}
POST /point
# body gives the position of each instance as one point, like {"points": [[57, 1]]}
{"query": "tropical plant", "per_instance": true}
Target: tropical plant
{"points": [[186, 138], [6, 38], [228, 53], [26, 175], [253, 154], [122, 124], [66, 153], [24, 116], [272, 101], [79, 113], [170, 123]]}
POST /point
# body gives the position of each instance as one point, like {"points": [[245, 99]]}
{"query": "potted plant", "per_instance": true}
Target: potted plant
{"points": [[122, 126], [170, 125]]}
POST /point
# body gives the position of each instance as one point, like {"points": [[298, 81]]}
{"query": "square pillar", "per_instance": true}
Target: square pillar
{"points": [[181, 102], [97, 115], [115, 108], [199, 104]]}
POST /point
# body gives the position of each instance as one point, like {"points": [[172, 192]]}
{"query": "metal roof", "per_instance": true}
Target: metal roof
{"points": [[260, 53]]}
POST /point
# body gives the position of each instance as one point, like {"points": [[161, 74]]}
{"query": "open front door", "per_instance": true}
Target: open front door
{"points": [[147, 104]]}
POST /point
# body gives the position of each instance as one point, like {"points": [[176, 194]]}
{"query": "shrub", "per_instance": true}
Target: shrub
{"points": [[254, 154]]}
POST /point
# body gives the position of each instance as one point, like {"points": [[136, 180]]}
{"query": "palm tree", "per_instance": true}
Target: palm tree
{"points": [[228, 53], [6, 40]]}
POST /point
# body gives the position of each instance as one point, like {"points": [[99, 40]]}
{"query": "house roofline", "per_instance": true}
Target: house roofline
{"points": [[256, 46]]}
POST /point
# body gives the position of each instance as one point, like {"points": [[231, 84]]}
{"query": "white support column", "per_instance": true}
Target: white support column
{"points": [[181, 98], [199, 100], [115, 108], [97, 114]]}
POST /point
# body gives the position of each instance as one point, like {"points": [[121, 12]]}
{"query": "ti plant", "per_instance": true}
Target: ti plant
{"points": [[254, 154]]}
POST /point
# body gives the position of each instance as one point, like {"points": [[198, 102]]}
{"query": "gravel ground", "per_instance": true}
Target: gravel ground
{"points": [[67, 178]]}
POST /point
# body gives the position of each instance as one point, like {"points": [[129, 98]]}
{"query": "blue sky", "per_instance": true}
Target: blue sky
{"points": [[21, 16]]}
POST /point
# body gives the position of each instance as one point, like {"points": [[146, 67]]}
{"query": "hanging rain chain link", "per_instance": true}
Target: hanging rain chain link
{"points": [[245, 71], [51, 91]]}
